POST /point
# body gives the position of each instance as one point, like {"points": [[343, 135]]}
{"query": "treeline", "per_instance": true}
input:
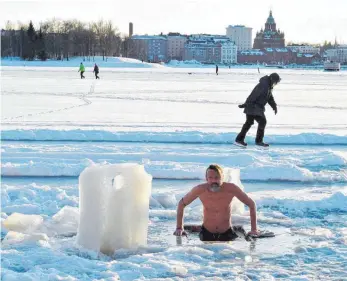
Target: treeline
{"points": [[61, 39]]}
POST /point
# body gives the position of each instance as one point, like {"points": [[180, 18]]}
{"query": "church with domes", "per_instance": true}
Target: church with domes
{"points": [[270, 37]]}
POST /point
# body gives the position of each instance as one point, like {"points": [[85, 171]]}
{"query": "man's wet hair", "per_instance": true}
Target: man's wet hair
{"points": [[215, 167]]}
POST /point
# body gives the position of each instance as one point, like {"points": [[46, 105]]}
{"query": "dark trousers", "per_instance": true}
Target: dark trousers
{"points": [[96, 75], [249, 122], [82, 76]]}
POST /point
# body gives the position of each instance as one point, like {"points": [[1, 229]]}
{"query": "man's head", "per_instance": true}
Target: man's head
{"points": [[275, 78], [214, 175]]}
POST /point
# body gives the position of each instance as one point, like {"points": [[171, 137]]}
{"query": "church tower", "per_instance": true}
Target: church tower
{"points": [[270, 37], [270, 23]]}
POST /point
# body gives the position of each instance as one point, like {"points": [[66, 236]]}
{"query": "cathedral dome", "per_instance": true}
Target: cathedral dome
{"points": [[270, 19]]}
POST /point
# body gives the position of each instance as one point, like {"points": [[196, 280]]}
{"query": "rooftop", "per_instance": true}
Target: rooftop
{"points": [[144, 37]]}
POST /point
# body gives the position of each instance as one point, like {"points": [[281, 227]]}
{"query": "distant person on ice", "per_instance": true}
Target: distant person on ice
{"points": [[216, 197], [217, 69], [96, 71], [254, 108], [82, 70]]}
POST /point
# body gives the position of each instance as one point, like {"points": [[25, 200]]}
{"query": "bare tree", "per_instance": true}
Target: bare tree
{"points": [[108, 41], [61, 39]]}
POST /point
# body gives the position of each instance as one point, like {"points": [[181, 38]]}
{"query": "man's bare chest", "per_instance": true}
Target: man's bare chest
{"points": [[217, 200]]}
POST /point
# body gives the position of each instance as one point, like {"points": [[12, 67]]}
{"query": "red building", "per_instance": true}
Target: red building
{"points": [[268, 56], [270, 37], [308, 58]]}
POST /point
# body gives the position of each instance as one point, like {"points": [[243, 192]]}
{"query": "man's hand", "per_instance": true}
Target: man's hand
{"points": [[180, 232], [275, 110], [253, 233]]}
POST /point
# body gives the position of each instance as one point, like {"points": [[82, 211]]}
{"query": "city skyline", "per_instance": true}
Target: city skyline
{"points": [[314, 22]]}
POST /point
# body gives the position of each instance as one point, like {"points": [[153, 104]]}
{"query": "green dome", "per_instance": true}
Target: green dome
{"points": [[270, 19]]}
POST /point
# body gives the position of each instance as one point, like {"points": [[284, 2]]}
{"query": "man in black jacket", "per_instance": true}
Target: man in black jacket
{"points": [[96, 71], [254, 108]]}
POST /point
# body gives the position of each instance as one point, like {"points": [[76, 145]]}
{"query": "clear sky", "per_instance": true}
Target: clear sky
{"points": [[302, 20]]}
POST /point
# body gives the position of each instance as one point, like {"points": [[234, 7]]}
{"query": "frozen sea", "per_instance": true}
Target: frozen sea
{"points": [[54, 125]]}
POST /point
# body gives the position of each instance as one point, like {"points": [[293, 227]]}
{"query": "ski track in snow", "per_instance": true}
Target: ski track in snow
{"points": [[82, 98], [165, 99]]}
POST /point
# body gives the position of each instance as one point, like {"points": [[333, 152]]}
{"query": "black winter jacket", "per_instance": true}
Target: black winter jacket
{"points": [[260, 96]]}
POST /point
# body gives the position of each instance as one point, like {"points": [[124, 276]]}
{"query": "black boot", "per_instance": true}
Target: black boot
{"points": [[263, 144], [259, 138], [240, 139], [240, 143]]}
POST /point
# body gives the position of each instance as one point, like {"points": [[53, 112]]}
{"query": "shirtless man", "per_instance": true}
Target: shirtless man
{"points": [[216, 197]]}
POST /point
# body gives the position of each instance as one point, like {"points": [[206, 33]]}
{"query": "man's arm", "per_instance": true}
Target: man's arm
{"points": [[186, 200], [245, 199], [272, 103]]}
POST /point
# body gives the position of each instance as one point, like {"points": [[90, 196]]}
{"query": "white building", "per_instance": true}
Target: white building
{"points": [[305, 49], [175, 47], [207, 48], [338, 54], [228, 52], [241, 35]]}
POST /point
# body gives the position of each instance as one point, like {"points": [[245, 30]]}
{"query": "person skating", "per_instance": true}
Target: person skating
{"points": [[96, 71], [82, 70], [254, 108]]}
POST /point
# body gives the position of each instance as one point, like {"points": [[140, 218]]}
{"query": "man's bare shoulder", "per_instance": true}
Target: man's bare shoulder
{"points": [[196, 191], [230, 187], [200, 188]]}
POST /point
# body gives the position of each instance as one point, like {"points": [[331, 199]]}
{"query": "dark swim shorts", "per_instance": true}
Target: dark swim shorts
{"points": [[228, 235]]}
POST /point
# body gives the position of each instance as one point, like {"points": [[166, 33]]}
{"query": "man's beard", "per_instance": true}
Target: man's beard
{"points": [[215, 187]]}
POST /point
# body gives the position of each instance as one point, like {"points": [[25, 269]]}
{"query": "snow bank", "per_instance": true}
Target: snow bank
{"points": [[164, 137], [116, 62], [257, 171]]}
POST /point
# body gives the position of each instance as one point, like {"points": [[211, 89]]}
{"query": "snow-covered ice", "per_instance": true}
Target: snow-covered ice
{"points": [[55, 125]]}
